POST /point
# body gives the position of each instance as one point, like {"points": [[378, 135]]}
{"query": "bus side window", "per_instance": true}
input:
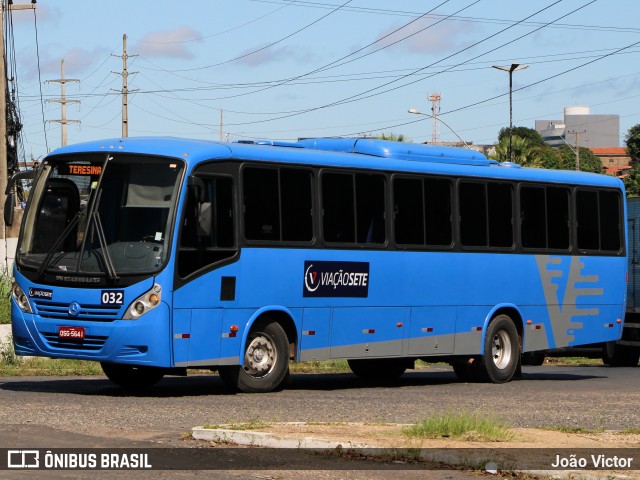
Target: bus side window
{"points": [[370, 218], [338, 222], [61, 202], [408, 211], [208, 234], [533, 221]]}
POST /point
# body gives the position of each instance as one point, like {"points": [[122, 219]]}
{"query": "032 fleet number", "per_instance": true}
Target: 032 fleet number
{"points": [[112, 297]]}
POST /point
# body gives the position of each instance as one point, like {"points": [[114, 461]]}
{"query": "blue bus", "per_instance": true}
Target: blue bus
{"points": [[158, 255]]}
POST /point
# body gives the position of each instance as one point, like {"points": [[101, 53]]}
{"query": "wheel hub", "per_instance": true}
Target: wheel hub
{"points": [[501, 349], [260, 357]]}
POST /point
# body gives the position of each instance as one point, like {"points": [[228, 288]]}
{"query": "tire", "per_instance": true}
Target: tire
{"points": [[501, 358], [466, 370], [132, 377], [534, 359], [378, 369], [266, 361], [616, 355]]}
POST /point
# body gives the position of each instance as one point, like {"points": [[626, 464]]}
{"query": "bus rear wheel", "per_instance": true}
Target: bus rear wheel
{"points": [[616, 355], [501, 351], [266, 361], [378, 369], [132, 377]]}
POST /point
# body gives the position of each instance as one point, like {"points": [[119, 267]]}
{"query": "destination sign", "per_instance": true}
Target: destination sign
{"points": [[75, 169]]}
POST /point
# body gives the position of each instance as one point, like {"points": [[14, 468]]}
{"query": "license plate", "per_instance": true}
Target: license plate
{"points": [[75, 333]]}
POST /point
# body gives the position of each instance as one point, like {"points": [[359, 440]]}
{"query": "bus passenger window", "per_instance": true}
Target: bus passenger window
{"points": [[500, 215], [609, 221], [370, 226], [408, 211], [338, 221], [587, 217], [437, 199], [558, 218], [261, 204], [296, 205], [473, 214], [533, 222]]}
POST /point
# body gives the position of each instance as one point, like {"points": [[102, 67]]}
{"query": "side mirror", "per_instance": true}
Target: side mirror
{"points": [[203, 208], [9, 205]]}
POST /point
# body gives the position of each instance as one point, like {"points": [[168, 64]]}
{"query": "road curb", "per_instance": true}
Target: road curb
{"points": [[271, 440], [251, 438]]}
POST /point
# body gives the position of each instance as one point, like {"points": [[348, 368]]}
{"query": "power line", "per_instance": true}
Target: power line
{"points": [[280, 40], [482, 20]]}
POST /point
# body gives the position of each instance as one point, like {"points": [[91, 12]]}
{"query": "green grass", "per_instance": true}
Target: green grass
{"points": [[463, 426], [565, 429], [253, 424], [5, 296], [573, 361], [325, 366], [40, 366]]}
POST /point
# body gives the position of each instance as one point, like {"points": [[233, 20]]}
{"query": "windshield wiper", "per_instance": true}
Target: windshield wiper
{"points": [[65, 233], [93, 221], [102, 240]]}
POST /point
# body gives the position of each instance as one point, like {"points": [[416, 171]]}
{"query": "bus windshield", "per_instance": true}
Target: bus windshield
{"points": [[98, 214]]}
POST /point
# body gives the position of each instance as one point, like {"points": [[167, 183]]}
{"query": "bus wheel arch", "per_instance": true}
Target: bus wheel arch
{"points": [[269, 343]]}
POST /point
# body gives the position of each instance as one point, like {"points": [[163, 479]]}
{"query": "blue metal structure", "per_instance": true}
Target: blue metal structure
{"points": [[229, 277]]}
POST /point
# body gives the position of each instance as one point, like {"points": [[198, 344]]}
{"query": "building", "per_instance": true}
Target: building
{"points": [[580, 127], [615, 160]]}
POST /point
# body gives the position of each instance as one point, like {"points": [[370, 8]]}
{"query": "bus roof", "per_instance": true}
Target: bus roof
{"points": [[364, 153]]}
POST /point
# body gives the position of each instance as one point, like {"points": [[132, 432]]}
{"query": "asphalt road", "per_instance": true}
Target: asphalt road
{"points": [[77, 412]]}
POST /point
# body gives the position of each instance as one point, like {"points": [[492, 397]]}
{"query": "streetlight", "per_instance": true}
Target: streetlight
{"points": [[415, 111], [512, 68]]}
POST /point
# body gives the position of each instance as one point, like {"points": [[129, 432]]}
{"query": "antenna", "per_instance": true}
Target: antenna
{"points": [[434, 98]]}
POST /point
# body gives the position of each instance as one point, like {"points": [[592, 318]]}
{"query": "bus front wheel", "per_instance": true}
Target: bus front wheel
{"points": [[266, 361], [501, 351], [132, 377]]}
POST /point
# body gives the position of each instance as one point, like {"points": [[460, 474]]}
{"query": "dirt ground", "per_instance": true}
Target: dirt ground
{"points": [[360, 435]]}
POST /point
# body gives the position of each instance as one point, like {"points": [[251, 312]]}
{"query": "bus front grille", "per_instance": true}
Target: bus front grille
{"points": [[95, 313], [89, 342]]}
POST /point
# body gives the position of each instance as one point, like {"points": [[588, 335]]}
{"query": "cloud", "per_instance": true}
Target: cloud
{"points": [[169, 43], [420, 37], [76, 61], [275, 54]]}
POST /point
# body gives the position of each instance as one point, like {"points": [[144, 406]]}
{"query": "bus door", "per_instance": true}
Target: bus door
{"points": [[207, 243]]}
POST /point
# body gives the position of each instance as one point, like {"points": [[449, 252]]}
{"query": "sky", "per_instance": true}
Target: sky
{"points": [[289, 69]]}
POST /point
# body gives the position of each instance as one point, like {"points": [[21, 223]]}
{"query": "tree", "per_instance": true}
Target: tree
{"points": [[522, 150], [632, 181], [534, 138], [393, 137], [632, 140], [588, 161], [547, 157]]}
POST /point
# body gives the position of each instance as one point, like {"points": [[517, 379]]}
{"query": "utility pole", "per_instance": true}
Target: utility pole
{"points": [[435, 111], [63, 100], [221, 134], [3, 106], [125, 86], [577, 133]]}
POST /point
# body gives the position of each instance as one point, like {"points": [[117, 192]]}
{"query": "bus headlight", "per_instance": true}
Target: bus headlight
{"points": [[21, 299], [144, 303]]}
